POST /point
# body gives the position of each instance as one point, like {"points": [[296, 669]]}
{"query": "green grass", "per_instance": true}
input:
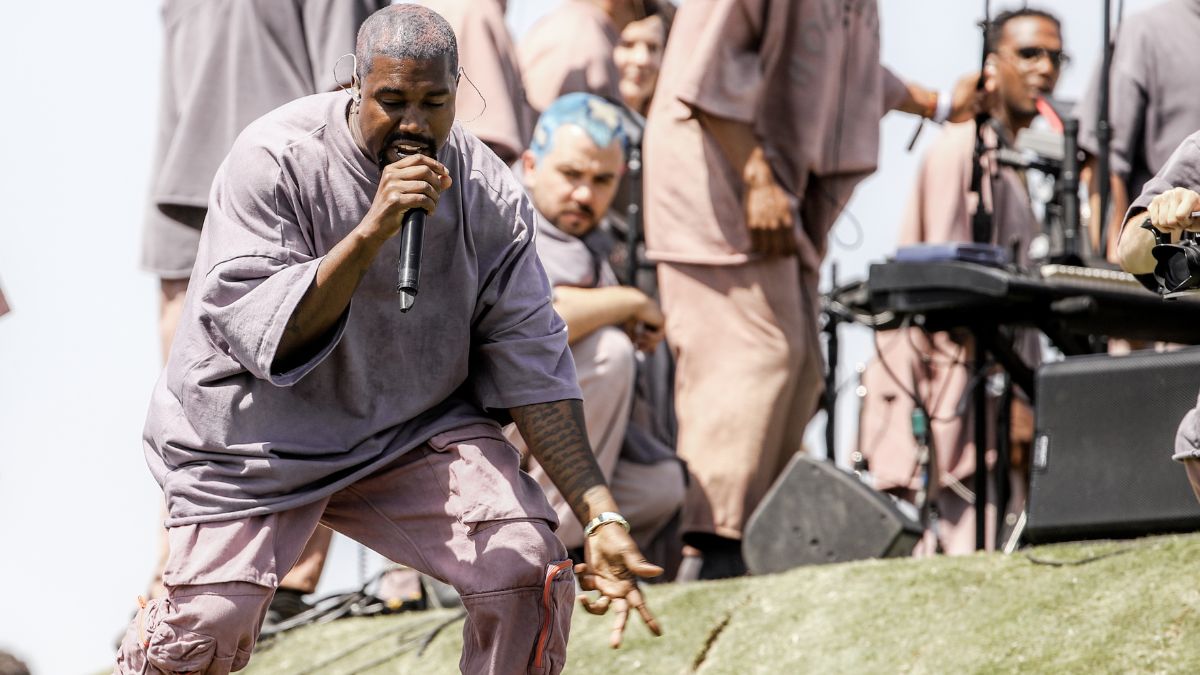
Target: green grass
{"points": [[1105, 607]]}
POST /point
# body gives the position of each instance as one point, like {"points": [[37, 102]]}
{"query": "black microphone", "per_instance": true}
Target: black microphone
{"points": [[411, 234]]}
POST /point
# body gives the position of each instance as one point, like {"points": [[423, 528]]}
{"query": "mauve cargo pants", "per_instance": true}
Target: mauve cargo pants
{"points": [[458, 508]]}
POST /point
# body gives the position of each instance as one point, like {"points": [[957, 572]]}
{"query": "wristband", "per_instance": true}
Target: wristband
{"points": [[945, 101], [604, 519]]}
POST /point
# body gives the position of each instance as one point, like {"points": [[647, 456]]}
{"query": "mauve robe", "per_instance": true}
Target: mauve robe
{"points": [[569, 50], [940, 211], [1153, 91], [501, 118], [225, 63], [806, 76], [228, 438]]}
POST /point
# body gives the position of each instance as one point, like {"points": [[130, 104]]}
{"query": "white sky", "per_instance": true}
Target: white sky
{"points": [[78, 356]]}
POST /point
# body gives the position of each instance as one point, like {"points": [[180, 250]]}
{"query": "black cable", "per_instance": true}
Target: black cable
{"points": [[913, 396], [954, 361], [888, 369], [354, 647], [407, 644]]}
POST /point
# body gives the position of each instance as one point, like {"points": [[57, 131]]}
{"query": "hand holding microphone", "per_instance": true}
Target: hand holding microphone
{"points": [[409, 188]]}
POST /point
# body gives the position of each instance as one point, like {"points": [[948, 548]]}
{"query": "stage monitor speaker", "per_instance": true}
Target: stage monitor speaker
{"points": [[1101, 464], [816, 513]]}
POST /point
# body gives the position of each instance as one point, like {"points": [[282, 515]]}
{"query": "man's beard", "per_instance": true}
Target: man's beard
{"points": [[425, 146]]}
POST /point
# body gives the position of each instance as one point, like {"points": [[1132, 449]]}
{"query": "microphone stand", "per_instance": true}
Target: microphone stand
{"points": [[1067, 187], [831, 394], [633, 212], [1104, 133], [981, 232]]}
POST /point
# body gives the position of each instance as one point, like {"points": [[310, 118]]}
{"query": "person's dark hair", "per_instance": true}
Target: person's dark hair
{"points": [[996, 28], [405, 32], [652, 7], [666, 12]]}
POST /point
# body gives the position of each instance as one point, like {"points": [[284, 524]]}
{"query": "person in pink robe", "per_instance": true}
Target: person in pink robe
{"points": [[639, 55], [491, 102], [571, 173], [571, 49], [938, 365], [765, 118]]}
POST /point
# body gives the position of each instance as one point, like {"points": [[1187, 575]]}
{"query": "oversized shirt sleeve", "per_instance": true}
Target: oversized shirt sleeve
{"points": [[725, 75], [1181, 170], [1128, 101], [261, 264], [520, 343]]}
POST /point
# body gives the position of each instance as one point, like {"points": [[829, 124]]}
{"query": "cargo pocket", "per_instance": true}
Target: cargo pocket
{"points": [[558, 596], [173, 649], [485, 483]]}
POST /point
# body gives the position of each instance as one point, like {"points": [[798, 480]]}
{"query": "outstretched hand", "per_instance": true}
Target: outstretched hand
{"points": [[613, 567]]}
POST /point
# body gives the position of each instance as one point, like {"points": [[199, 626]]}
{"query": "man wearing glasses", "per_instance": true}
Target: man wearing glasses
{"points": [[1025, 56]]}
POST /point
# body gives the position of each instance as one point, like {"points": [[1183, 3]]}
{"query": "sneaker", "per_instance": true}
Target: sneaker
{"points": [[287, 603]]}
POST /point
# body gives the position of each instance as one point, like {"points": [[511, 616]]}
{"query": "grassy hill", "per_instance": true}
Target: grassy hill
{"points": [[1119, 607]]}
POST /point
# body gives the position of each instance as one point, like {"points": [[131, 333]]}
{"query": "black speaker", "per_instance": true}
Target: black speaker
{"points": [[817, 513], [1101, 464]]}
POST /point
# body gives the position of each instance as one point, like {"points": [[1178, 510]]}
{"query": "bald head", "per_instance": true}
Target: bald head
{"points": [[404, 32]]}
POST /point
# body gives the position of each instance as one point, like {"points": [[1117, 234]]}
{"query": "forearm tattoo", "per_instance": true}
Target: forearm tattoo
{"points": [[557, 437]]}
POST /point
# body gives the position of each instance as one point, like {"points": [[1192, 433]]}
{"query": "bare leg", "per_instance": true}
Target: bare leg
{"points": [[170, 306], [305, 576]]}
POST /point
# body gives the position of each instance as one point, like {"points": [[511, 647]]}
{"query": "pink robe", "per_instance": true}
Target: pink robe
{"points": [[940, 211], [225, 63], [805, 75], [569, 50], [491, 97]]}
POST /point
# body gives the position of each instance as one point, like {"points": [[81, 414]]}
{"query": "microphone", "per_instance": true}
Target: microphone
{"points": [[409, 267]]}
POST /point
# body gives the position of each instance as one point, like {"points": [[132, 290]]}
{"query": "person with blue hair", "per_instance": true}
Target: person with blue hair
{"points": [[571, 171]]}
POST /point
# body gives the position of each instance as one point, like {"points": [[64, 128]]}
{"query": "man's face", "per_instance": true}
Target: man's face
{"points": [[407, 107], [1028, 61], [574, 184]]}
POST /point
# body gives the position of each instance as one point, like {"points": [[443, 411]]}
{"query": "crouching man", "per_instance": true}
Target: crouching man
{"points": [[571, 171], [297, 393]]}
